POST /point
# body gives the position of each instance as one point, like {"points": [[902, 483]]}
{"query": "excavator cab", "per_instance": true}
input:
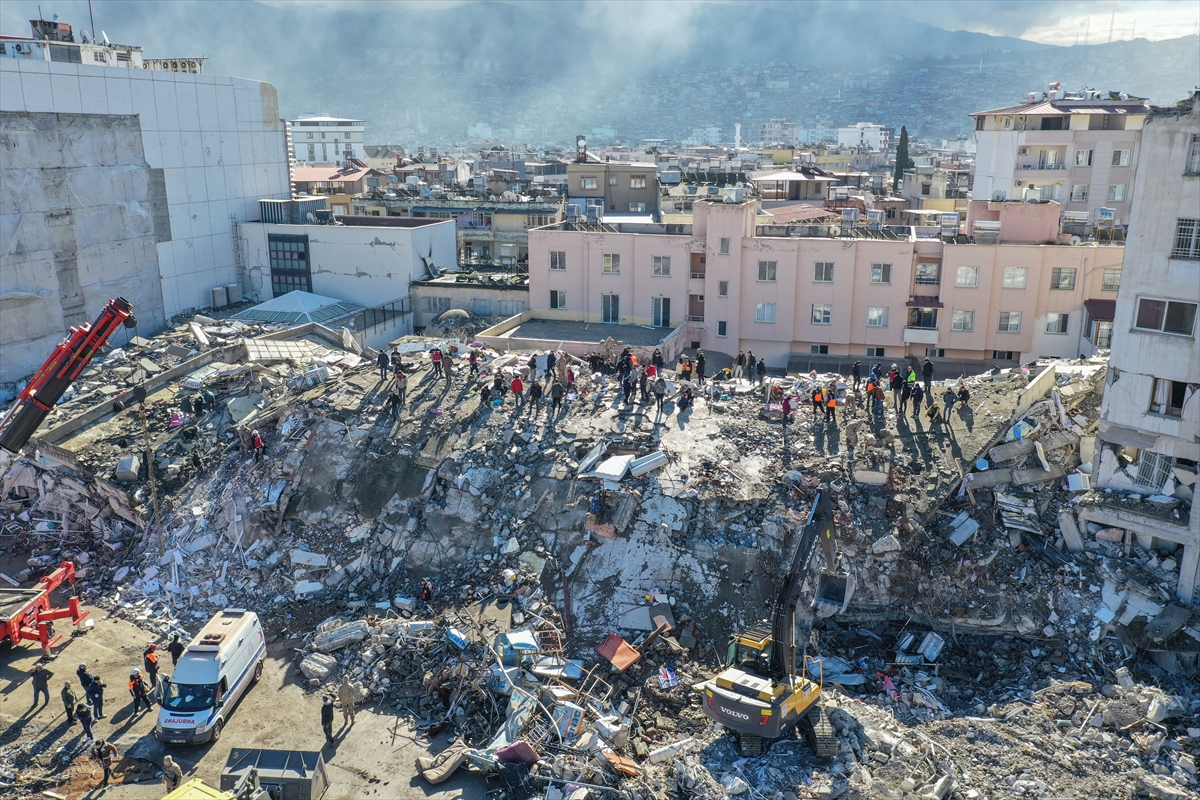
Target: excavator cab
{"points": [[751, 650]]}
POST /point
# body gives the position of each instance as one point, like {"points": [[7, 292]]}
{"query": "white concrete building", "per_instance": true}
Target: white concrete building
{"points": [[1149, 432], [866, 135], [366, 260], [327, 140], [118, 180], [1079, 149]]}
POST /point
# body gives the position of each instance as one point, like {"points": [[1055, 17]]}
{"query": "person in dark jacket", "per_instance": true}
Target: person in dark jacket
{"points": [[327, 718], [905, 393], [175, 648], [918, 394], [927, 376], [139, 691], [95, 696], [535, 398], [70, 700], [856, 374], [700, 366], [150, 663], [556, 396], [41, 684], [103, 753], [84, 715], [761, 370], [383, 362], [84, 677], [895, 383]]}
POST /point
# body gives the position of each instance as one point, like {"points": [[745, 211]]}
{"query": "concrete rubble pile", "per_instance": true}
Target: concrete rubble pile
{"points": [[589, 568]]}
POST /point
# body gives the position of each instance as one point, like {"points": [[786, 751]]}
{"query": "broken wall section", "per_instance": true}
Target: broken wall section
{"points": [[77, 228]]}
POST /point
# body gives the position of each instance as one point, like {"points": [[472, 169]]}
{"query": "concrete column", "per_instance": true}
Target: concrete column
{"points": [[1187, 572]]}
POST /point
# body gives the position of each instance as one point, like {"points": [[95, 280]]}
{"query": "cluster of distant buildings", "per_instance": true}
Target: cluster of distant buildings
{"points": [[182, 191]]}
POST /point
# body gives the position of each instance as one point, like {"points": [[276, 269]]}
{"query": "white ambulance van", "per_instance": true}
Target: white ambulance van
{"points": [[217, 668]]}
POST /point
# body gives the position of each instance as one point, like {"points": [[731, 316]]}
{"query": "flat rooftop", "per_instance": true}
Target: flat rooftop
{"points": [[594, 332]]}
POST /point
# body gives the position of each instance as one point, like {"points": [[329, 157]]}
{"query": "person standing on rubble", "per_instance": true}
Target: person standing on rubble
{"points": [[761, 370], [95, 695], [818, 400], [699, 366], [643, 381], [949, 398], [84, 715], [103, 753], [535, 398], [877, 394], [498, 386], [831, 404], [346, 698], [856, 374], [401, 385], [551, 362], [918, 394], [896, 384], [905, 393], [139, 691], [150, 662], [927, 376], [685, 371], [739, 365], [327, 718], [556, 397], [425, 596], [383, 362], [570, 380], [750, 362], [473, 360], [448, 364], [660, 393], [518, 390], [788, 410], [393, 402], [41, 684], [657, 361], [256, 441]]}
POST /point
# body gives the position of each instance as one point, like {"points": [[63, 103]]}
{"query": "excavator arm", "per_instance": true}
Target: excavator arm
{"points": [[817, 530], [61, 369]]}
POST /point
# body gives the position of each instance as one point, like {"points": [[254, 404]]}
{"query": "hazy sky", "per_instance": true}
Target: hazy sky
{"points": [[1061, 22]]}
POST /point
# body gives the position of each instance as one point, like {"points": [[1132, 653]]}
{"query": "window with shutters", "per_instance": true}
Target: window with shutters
{"points": [[1187, 240]]}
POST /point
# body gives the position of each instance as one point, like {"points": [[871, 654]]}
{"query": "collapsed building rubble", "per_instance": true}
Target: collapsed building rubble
{"points": [[546, 536]]}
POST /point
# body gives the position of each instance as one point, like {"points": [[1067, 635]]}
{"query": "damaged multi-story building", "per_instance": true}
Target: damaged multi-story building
{"points": [[1149, 433]]}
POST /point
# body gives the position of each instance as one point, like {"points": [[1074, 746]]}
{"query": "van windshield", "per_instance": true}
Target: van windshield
{"points": [[188, 696]]}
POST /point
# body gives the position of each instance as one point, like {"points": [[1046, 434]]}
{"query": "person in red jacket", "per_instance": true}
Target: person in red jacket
{"points": [[518, 390], [257, 441]]}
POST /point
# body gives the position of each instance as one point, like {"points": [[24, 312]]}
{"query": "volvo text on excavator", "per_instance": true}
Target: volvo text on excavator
{"points": [[64, 365], [759, 694]]}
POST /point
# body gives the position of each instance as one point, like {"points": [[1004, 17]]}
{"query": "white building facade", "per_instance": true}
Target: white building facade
{"points": [[327, 140], [161, 167], [866, 135], [1149, 432]]}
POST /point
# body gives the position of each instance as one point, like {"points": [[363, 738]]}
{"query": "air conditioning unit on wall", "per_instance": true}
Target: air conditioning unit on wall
{"points": [[1024, 151]]}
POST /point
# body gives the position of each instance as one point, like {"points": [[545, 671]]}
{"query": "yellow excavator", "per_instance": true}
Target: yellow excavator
{"points": [[759, 695]]}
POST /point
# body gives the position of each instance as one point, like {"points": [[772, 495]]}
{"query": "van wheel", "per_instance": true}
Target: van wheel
{"points": [[216, 734], [258, 672]]}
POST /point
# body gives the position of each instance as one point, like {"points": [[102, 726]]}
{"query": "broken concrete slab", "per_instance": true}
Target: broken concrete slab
{"points": [[328, 641], [307, 559], [1070, 531], [318, 666]]}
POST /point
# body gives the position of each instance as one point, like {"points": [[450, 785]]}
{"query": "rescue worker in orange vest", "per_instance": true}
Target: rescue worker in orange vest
{"points": [[150, 662], [139, 691], [818, 400], [830, 405]]}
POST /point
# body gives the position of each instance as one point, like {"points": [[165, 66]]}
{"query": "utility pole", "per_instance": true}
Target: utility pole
{"points": [[153, 482]]}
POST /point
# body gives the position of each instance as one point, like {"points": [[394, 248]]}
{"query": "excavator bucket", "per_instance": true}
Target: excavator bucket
{"points": [[834, 590]]}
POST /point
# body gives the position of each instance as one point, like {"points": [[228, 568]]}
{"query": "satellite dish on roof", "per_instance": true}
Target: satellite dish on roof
{"points": [[834, 230]]}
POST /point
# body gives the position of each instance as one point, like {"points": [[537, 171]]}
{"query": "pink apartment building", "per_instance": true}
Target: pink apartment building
{"points": [[869, 294]]}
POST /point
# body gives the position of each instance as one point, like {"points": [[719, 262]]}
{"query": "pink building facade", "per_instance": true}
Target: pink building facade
{"points": [[784, 296]]}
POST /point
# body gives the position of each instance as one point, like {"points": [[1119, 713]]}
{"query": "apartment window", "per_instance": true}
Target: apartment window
{"points": [[927, 273], [1015, 277], [661, 267], [979, 123], [967, 276], [1057, 323], [1112, 280], [612, 264], [962, 321], [877, 316], [435, 305], [876, 352], [312, 152], [1079, 192], [310, 136], [926, 187], [612, 179], [1166, 397], [823, 272], [1099, 333], [637, 181], [722, 328], [822, 314], [1120, 158], [724, 249], [558, 300], [322, 135], [538, 220], [818, 349], [1152, 470], [1004, 355], [922, 318], [1116, 193], [764, 312], [767, 271], [881, 273], [1062, 278], [1193, 162], [637, 208], [935, 352], [588, 182], [290, 268], [1165, 316], [610, 308], [558, 260], [1052, 123], [1083, 158], [1187, 239], [1010, 322], [722, 288]]}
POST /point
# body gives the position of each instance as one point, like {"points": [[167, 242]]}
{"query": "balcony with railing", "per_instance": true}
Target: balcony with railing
{"points": [[697, 266]]}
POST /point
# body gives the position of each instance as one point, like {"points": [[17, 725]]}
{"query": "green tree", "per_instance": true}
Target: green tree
{"points": [[903, 161]]}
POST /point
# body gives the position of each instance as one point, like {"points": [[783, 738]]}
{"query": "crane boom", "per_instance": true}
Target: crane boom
{"points": [[64, 365]]}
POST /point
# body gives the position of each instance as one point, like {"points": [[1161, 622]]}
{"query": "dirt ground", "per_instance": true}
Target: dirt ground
{"points": [[372, 758]]}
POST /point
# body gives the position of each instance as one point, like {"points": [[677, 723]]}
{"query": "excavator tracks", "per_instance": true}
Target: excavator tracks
{"points": [[819, 732]]}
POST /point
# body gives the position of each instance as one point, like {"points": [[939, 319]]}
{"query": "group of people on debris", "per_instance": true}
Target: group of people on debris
{"points": [[90, 709]]}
